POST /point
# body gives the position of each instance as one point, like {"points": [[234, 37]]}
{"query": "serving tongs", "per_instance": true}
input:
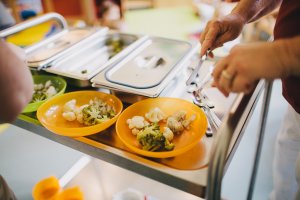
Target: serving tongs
{"points": [[201, 99], [195, 72]]}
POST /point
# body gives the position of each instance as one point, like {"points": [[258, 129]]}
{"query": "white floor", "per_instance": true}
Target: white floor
{"points": [[27, 158]]}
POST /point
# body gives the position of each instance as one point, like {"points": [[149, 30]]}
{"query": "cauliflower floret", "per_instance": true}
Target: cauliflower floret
{"points": [[138, 122], [155, 115], [135, 131], [179, 115], [48, 84], [168, 134], [78, 113], [38, 86], [174, 125], [51, 91], [70, 116], [186, 123], [70, 106]]}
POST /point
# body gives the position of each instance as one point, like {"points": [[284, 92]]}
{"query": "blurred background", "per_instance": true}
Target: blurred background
{"points": [[128, 15]]}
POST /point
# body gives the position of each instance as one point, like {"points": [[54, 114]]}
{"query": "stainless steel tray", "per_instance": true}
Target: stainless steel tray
{"points": [[95, 55], [68, 42], [129, 76], [148, 65], [55, 46]]}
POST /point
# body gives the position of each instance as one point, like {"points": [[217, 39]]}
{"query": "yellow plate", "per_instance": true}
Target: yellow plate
{"points": [[50, 113], [183, 142]]}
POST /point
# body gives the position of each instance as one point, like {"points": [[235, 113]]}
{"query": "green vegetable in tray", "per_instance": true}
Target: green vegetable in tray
{"points": [[116, 46], [97, 112], [152, 139], [38, 96], [43, 91]]}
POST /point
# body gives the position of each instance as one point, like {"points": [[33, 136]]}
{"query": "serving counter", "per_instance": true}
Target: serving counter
{"points": [[188, 172]]}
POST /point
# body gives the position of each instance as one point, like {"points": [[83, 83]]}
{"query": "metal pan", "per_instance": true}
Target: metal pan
{"points": [[94, 56], [151, 77]]}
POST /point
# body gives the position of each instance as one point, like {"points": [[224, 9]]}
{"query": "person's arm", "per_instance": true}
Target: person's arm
{"points": [[251, 10], [290, 53], [16, 84], [229, 27], [246, 64]]}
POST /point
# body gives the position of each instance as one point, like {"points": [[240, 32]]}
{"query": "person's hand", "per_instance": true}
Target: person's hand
{"points": [[219, 31], [246, 64], [18, 51]]}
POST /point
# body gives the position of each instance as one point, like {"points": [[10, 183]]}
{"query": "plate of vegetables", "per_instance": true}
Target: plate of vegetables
{"points": [[80, 113], [45, 87], [161, 127]]}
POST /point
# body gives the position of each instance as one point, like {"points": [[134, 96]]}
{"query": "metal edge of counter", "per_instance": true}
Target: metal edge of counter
{"points": [[124, 160]]}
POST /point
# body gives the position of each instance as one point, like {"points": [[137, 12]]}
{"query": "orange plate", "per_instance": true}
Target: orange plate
{"points": [[50, 113], [183, 142]]}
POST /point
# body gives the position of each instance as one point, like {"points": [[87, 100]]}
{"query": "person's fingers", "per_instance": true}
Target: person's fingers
{"points": [[210, 38], [227, 78], [203, 34], [223, 39], [211, 54], [241, 84], [217, 46], [224, 92], [220, 65], [17, 51], [213, 84]]}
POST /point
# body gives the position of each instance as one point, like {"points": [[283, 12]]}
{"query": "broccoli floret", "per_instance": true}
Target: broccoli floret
{"points": [[152, 139], [43, 91], [97, 112], [169, 145], [37, 97]]}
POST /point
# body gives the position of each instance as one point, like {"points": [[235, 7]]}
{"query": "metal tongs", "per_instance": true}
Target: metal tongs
{"points": [[200, 99], [196, 70]]}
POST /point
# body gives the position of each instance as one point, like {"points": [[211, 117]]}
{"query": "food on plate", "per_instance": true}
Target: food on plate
{"points": [[174, 125], [178, 122], [152, 139], [96, 112], [186, 123], [155, 115], [136, 123], [69, 110], [43, 91], [168, 134], [157, 133]]}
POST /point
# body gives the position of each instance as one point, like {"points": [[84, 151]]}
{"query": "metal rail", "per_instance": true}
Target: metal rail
{"points": [[33, 22], [219, 157]]}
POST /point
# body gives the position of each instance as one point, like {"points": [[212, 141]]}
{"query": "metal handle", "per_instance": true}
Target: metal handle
{"points": [[33, 22], [237, 118]]}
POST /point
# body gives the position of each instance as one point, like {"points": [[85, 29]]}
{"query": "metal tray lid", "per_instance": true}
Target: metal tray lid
{"points": [[95, 55], [148, 87], [62, 45], [149, 64]]}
